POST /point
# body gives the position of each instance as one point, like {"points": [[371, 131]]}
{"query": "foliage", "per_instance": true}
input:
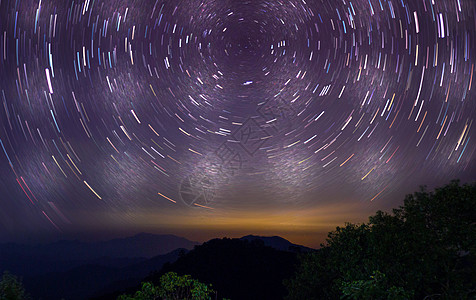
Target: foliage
{"points": [[177, 287], [375, 288], [172, 286], [11, 288], [427, 246]]}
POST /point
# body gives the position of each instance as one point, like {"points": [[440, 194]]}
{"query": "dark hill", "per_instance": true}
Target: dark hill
{"points": [[237, 269], [92, 280], [78, 270], [65, 255]]}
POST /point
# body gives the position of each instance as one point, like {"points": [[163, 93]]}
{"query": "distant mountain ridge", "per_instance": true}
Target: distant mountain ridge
{"points": [[89, 280], [64, 255]]}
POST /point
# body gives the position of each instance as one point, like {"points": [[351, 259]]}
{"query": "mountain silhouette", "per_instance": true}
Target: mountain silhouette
{"points": [[65, 255], [78, 270], [237, 268], [92, 280]]}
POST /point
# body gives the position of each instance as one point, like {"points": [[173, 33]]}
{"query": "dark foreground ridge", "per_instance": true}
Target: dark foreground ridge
{"points": [[237, 268]]}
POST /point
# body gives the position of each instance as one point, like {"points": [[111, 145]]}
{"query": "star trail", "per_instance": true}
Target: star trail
{"points": [[202, 106]]}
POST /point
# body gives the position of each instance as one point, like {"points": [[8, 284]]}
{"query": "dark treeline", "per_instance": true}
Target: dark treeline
{"points": [[426, 249]]}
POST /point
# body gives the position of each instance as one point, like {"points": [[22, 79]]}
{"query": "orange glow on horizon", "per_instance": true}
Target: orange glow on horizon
{"points": [[304, 226]]}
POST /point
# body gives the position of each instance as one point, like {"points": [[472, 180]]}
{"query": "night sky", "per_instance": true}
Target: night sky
{"points": [[211, 118]]}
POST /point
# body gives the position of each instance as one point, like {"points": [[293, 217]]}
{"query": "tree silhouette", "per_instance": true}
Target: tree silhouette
{"points": [[172, 287], [427, 247], [11, 288]]}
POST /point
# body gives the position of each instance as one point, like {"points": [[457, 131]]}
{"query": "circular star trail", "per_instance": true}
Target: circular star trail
{"points": [[117, 105]]}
